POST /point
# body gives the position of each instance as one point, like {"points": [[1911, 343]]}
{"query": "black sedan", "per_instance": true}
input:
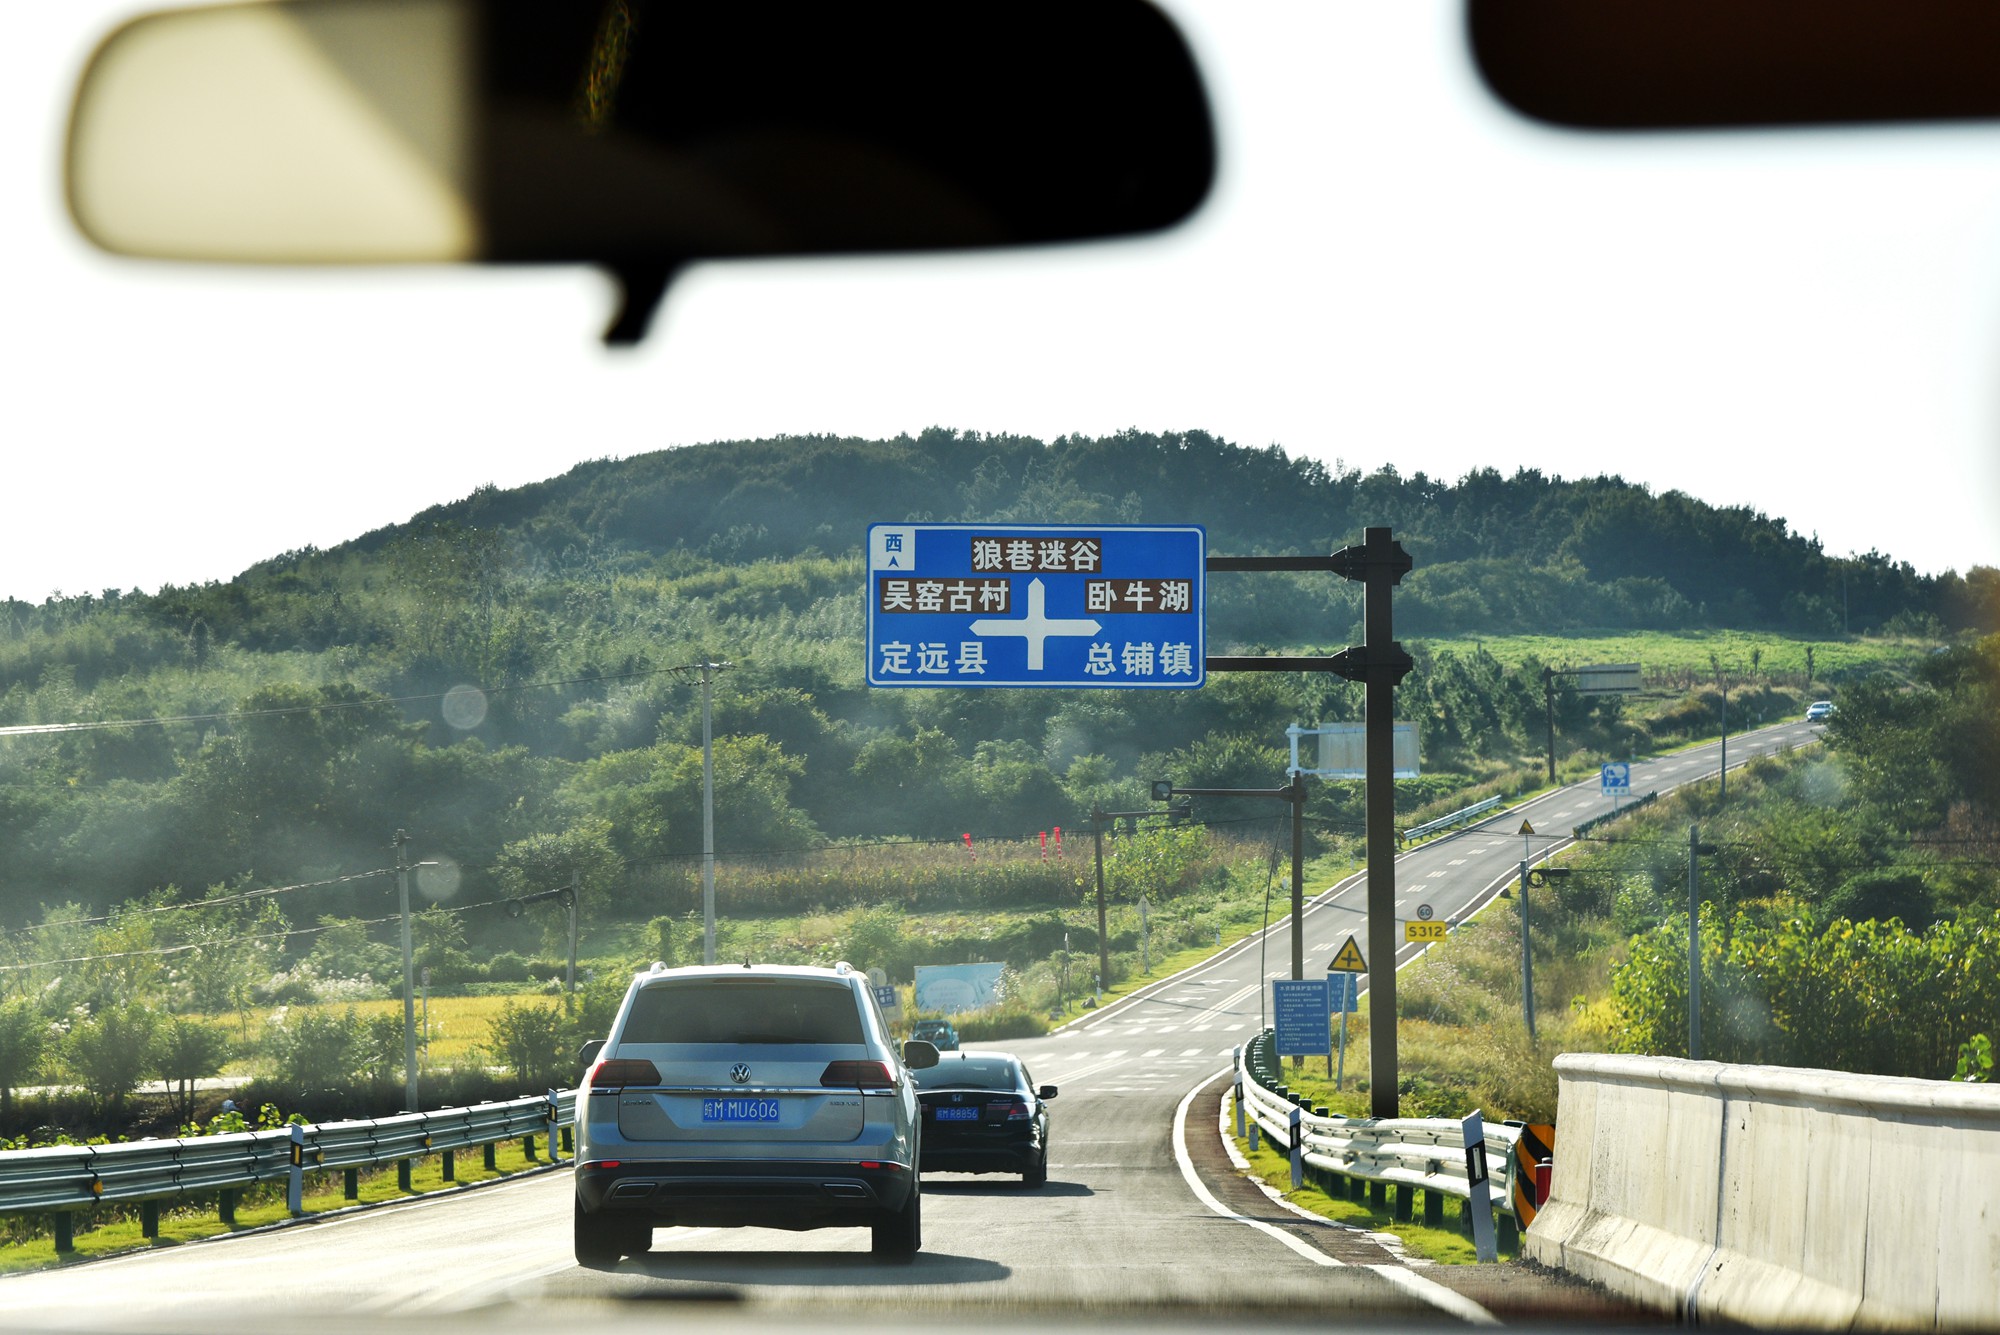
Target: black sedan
{"points": [[982, 1113]]}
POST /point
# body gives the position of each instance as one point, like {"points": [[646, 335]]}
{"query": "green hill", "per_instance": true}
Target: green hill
{"points": [[312, 690]]}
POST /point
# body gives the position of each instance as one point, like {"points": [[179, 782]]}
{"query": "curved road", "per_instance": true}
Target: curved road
{"points": [[1141, 1218]]}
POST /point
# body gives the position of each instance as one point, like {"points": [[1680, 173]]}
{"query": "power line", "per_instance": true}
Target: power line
{"points": [[285, 935], [267, 892], [331, 706]]}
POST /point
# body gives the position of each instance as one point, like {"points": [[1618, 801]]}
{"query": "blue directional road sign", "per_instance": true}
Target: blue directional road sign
{"points": [[1102, 605], [1616, 779], [1298, 1013]]}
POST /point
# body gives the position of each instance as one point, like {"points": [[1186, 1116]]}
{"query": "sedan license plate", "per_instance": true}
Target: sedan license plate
{"points": [[739, 1110], [958, 1114]]}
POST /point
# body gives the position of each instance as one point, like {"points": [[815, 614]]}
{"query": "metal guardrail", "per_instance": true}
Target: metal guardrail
{"points": [[65, 1179], [1413, 1154], [1578, 831], [1446, 822]]}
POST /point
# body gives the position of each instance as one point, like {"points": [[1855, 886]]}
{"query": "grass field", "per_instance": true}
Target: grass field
{"points": [[458, 1028], [1666, 657]]}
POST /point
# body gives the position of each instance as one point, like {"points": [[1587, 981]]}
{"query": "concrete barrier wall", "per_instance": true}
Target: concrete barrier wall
{"points": [[1776, 1196]]}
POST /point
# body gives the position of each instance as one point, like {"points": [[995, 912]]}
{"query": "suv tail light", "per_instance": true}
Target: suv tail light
{"points": [[857, 1075], [616, 1073]]}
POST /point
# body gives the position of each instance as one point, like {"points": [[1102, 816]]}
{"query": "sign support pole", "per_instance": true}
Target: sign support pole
{"points": [[1379, 563], [1527, 959], [1384, 564]]}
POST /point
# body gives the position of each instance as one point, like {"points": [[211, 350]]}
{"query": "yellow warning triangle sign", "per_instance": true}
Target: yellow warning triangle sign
{"points": [[1349, 959], [1527, 828]]}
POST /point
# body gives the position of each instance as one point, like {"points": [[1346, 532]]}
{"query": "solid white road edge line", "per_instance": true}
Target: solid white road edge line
{"points": [[1388, 1242], [1425, 1290]]}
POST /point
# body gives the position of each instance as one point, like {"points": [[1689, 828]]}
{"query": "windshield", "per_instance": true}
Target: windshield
{"points": [[1474, 658]]}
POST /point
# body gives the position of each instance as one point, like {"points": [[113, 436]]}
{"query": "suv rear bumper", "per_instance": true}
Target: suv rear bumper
{"points": [[772, 1193]]}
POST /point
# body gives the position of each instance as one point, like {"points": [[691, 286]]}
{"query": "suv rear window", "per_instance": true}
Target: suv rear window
{"points": [[752, 1010]]}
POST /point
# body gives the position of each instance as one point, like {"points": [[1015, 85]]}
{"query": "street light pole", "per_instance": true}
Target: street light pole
{"points": [[1097, 819], [1723, 795]]}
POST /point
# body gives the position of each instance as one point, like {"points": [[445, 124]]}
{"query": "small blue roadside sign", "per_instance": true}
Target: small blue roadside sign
{"points": [[1102, 605], [1343, 993], [1616, 778], [1298, 1012]]}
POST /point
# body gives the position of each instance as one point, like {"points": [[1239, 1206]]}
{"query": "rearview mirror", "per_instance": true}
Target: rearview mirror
{"points": [[1684, 64], [633, 134]]}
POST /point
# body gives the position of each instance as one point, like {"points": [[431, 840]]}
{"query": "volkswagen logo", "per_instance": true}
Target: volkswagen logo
{"points": [[740, 1073]]}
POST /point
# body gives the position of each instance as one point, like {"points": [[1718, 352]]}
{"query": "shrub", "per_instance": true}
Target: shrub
{"points": [[533, 1042], [321, 1049], [110, 1052], [507, 967], [1000, 1022]]}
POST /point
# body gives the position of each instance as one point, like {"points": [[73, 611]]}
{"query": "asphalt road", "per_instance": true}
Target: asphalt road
{"points": [[1141, 1221]]}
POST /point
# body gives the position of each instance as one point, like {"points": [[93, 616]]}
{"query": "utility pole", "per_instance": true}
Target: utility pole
{"points": [[1723, 682], [1694, 944], [568, 895], [409, 979], [569, 992], [1549, 711], [1696, 849], [707, 820]]}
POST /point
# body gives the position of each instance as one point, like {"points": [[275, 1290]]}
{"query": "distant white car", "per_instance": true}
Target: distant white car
{"points": [[1819, 711]]}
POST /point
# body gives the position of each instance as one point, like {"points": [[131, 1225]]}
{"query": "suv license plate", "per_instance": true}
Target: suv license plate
{"points": [[739, 1110], [958, 1114]]}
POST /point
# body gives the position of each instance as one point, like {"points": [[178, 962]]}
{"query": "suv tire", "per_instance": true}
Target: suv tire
{"points": [[901, 1235], [602, 1239]]}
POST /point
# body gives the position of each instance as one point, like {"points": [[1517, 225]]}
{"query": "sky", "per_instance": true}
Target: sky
{"points": [[1391, 271]]}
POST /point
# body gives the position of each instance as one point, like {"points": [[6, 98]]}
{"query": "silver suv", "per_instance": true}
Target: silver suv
{"points": [[767, 1096]]}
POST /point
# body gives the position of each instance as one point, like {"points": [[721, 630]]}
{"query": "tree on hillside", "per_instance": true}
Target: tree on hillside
{"points": [[650, 801], [437, 941], [24, 1037], [581, 856], [187, 1050], [1916, 753]]}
